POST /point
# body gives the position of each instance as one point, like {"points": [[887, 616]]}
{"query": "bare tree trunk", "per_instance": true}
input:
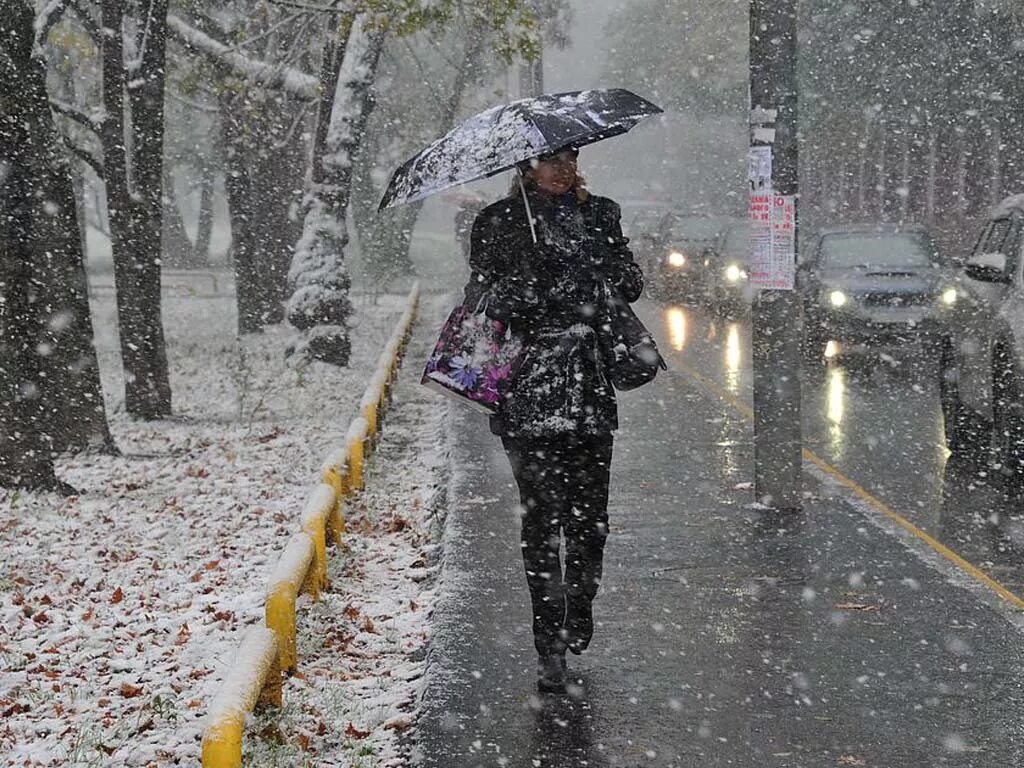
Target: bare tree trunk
{"points": [[204, 222], [881, 178], [136, 212], [933, 155], [961, 179], [996, 165], [50, 396], [905, 180], [320, 304], [177, 248], [244, 245], [862, 180]]}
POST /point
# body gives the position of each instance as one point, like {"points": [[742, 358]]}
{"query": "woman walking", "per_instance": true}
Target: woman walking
{"points": [[548, 275]]}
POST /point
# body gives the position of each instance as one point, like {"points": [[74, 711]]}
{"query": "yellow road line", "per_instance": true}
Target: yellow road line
{"points": [[971, 570]]}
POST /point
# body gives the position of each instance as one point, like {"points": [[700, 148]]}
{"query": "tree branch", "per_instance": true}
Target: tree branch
{"points": [[296, 124], [85, 156], [67, 110], [291, 80], [337, 7], [191, 103]]}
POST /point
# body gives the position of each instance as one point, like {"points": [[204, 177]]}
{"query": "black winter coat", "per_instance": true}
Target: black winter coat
{"points": [[552, 293]]}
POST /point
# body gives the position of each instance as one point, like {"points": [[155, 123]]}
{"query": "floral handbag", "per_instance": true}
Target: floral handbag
{"points": [[475, 359]]}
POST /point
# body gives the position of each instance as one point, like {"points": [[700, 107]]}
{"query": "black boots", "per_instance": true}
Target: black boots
{"points": [[579, 625], [551, 672]]}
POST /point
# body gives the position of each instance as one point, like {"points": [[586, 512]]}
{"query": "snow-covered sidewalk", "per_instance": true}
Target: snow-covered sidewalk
{"points": [[119, 608]]}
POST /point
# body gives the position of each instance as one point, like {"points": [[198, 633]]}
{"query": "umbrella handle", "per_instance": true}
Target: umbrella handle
{"points": [[526, 202]]}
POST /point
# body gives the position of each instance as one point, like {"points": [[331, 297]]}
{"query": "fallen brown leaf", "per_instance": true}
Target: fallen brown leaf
{"points": [[355, 733], [130, 691]]}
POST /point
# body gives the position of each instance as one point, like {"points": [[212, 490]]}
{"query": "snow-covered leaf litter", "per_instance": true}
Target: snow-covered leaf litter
{"points": [[116, 606]]}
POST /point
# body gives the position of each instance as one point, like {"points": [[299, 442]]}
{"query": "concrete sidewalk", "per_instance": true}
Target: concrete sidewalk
{"points": [[725, 636]]}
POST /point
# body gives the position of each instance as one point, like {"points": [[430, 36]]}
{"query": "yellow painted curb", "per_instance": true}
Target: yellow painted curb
{"points": [[283, 589], [355, 442], [254, 678], [315, 522]]}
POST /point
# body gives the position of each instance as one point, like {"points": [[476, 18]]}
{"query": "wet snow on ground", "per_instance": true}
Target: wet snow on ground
{"points": [[120, 607]]}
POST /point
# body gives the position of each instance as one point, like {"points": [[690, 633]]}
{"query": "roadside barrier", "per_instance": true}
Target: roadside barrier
{"points": [[269, 652], [255, 677]]}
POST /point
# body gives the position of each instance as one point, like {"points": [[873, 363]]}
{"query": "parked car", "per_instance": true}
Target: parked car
{"points": [[727, 282], [981, 379], [874, 286], [684, 250]]}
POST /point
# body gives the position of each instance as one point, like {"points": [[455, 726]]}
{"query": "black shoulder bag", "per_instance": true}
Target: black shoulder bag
{"points": [[631, 355]]}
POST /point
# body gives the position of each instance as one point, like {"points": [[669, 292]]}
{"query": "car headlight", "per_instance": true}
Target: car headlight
{"points": [[838, 299], [734, 274], [676, 259], [948, 297]]}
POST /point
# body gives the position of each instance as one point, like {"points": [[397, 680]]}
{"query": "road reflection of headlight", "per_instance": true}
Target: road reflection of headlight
{"points": [[837, 299], [677, 328], [733, 273], [949, 297], [676, 259], [733, 358], [836, 396]]}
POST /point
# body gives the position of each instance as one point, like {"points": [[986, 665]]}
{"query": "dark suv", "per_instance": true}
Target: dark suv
{"points": [[982, 360]]}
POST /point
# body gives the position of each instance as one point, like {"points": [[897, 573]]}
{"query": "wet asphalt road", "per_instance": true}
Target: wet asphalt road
{"points": [[877, 419], [727, 636]]}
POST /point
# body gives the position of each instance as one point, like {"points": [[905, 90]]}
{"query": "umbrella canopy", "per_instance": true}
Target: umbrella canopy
{"points": [[501, 137]]}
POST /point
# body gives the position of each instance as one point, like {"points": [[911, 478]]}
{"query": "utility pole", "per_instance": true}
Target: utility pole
{"points": [[777, 324]]}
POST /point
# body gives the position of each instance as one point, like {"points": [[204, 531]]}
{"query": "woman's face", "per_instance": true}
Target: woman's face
{"points": [[555, 175]]}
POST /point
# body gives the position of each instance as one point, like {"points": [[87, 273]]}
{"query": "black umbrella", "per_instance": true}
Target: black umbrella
{"points": [[501, 137]]}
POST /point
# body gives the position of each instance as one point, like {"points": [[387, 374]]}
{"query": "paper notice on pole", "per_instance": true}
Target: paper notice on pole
{"points": [[760, 169], [773, 241]]}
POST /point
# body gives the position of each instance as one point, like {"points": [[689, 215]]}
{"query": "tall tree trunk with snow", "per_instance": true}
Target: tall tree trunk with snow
{"points": [[319, 305], [50, 395], [135, 203]]}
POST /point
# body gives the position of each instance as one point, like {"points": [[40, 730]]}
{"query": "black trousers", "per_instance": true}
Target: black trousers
{"points": [[563, 489]]}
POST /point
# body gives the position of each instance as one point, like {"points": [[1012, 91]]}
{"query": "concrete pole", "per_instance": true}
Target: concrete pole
{"points": [[777, 321]]}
